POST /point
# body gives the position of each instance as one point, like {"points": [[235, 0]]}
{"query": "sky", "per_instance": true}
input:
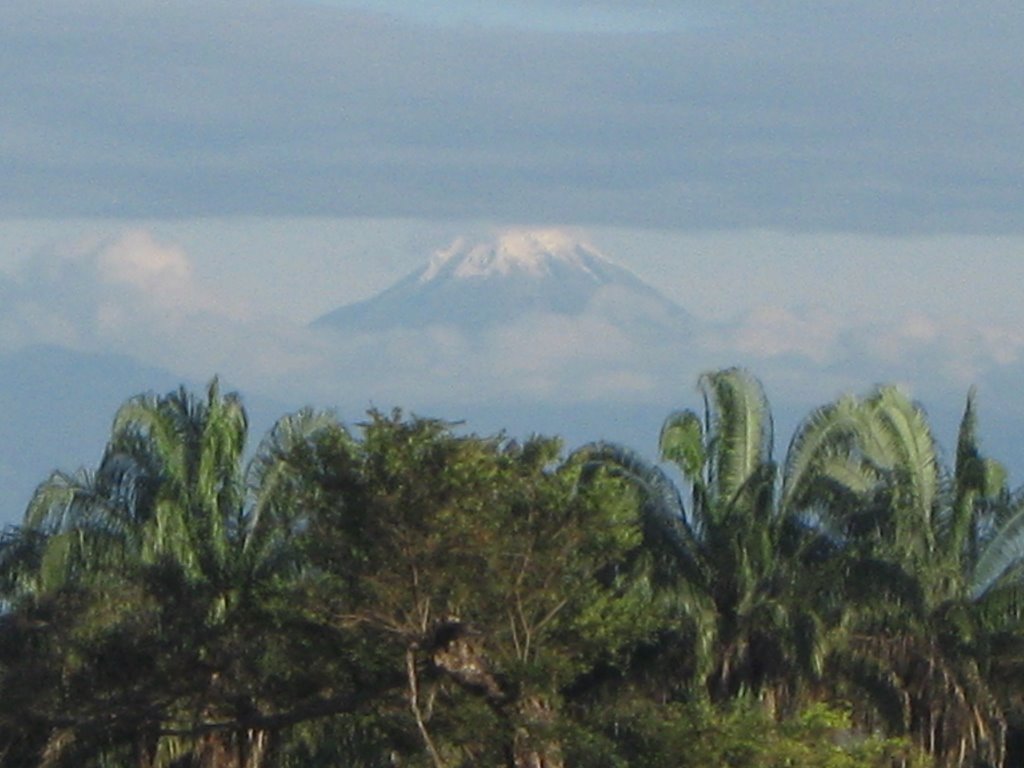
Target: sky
{"points": [[871, 116], [834, 189]]}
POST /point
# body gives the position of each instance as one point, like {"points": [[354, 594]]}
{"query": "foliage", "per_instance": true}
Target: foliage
{"points": [[742, 735], [740, 557], [400, 593], [164, 567], [953, 538], [485, 563]]}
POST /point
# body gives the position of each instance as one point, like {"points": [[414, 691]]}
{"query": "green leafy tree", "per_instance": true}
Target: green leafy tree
{"points": [[487, 573], [740, 734]]}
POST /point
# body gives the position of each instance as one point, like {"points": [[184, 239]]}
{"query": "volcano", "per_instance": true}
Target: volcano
{"points": [[477, 286]]}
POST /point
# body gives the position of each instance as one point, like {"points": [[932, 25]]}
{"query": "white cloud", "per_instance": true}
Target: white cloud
{"points": [[814, 348], [156, 277], [132, 294], [140, 295], [961, 351], [136, 259], [772, 331]]}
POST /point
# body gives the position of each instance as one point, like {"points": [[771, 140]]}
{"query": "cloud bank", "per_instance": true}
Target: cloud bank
{"points": [[137, 295], [869, 116]]}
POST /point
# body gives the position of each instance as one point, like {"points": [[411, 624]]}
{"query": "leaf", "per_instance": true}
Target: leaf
{"points": [[740, 429], [682, 442], [824, 445], [910, 458], [1004, 552]]}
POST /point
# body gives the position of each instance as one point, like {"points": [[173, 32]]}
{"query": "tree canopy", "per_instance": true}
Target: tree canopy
{"points": [[402, 592]]}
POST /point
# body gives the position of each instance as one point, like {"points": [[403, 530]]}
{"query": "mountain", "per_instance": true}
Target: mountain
{"points": [[476, 286]]}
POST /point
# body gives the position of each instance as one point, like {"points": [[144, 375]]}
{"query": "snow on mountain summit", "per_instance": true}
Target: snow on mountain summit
{"points": [[531, 252], [474, 285]]}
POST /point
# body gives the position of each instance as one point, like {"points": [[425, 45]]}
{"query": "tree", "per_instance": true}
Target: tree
{"points": [[484, 571], [740, 734], [939, 555], [740, 554], [172, 527]]}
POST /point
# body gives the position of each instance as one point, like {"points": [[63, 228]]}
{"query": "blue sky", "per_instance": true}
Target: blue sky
{"points": [[835, 188]]}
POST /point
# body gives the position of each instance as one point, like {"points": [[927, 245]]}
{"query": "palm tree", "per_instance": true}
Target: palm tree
{"points": [[173, 508], [951, 545], [861, 552], [740, 552]]}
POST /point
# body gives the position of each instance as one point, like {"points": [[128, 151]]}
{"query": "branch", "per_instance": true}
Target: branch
{"points": [[132, 713], [414, 704], [552, 614]]}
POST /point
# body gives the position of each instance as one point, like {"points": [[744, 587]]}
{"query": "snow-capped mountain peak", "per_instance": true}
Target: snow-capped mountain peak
{"points": [[527, 252], [474, 286]]}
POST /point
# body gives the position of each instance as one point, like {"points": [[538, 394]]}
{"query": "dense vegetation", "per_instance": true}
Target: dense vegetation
{"points": [[403, 594]]}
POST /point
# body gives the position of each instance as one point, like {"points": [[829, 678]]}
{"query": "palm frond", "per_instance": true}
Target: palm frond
{"points": [[682, 442], [219, 488], [911, 459], [824, 446], [52, 505], [21, 553], [1002, 553], [273, 477], [661, 505], [1000, 609], [153, 420], [740, 432], [975, 478]]}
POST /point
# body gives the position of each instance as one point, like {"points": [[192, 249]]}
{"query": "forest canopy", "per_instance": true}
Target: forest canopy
{"points": [[399, 592]]}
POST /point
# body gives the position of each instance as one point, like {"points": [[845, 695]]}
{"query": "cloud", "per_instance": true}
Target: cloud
{"points": [[139, 295], [813, 353], [870, 116], [540, 358], [771, 331], [547, 15], [138, 261], [135, 295], [962, 352], [805, 356]]}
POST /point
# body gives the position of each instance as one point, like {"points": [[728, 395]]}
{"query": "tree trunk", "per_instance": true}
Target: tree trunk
{"points": [[534, 745], [252, 747], [215, 751], [459, 651], [248, 749]]}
